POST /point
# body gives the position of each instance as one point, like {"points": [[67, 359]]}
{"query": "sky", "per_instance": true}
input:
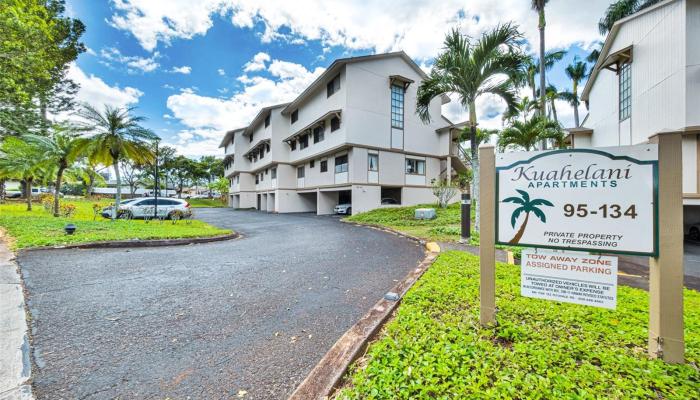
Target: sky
{"points": [[196, 69]]}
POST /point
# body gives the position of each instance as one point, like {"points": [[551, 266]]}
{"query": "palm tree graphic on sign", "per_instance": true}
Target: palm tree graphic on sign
{"points": [[527, 206]]}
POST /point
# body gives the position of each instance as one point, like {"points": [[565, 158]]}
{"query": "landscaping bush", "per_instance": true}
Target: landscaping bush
{"points": [[436, 348]]}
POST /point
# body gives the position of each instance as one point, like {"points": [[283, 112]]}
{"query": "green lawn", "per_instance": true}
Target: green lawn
{"points": [[40, 228], [435, 347], [445, 228], [202, 203]]}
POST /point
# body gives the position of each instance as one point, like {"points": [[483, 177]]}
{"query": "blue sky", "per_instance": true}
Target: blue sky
{"points": [[198, 68]]}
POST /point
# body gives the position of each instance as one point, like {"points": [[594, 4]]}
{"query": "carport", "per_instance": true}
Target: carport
{"points": [[331, 197]]}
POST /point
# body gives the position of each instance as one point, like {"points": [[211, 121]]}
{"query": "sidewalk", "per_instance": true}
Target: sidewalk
{"points": [[632, 271], [14, 340]]}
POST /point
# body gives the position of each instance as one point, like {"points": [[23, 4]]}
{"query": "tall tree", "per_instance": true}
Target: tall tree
{"points": [[472, 68], [539, 6], [116, 135], [577, 71], [526, 134], [621, 9], [61, 149], [532, 66], [21, 160], [553, 94]]}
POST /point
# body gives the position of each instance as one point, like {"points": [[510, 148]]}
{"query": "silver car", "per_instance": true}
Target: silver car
{"points": [[146, 207]]}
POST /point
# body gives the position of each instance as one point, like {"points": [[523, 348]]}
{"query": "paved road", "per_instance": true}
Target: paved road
{"points": [[209, 320]]}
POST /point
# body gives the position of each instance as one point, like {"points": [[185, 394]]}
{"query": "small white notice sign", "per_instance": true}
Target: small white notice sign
{"points": [[569, 277]]}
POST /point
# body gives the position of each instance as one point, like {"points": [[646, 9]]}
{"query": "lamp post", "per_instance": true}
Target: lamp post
{"points": [[466, 218], [156, 183]]}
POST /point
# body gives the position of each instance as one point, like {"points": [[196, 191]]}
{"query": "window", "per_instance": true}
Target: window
{"points": [[250, 138], [148, 202], [295, 116], [238, 178], [333, 86], [303, 142], [373, 162], [341, 164], [262, 177], [415, 167], [397, 94], [319, 133], [273, 174], [300, 172], [267, 121], [312, 163], [625, 87], [335, 124], [257, 179], [266, 171], [324, 166], [293, 144]]}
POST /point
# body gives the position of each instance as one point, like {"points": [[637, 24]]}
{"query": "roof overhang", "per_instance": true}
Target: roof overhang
{"points": [[609, 42], [262, 114], [256, 147], [317, 121], [614, 60], [338, 64], [455, 130], [228, 136]]}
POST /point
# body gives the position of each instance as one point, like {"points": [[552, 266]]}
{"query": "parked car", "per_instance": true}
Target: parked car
{"points": [[13, 194], [145, 207], [197, 196], [345, 209], [389, 200], [107, 211]]}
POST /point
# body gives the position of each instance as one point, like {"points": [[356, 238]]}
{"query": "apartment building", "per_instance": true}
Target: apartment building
{"points": [[351, 137], [647, 80]]}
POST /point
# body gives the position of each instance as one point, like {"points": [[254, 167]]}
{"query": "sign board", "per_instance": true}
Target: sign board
{"points": [[569, 277], [598, 200]]}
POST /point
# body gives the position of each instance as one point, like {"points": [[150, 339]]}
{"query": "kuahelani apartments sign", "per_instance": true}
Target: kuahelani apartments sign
{"points": [[601, 200]]}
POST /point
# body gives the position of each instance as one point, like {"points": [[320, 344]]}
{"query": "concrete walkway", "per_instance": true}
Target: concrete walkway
{"points": [[15, 367]]}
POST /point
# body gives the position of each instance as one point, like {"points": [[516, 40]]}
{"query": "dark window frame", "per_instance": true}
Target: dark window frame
{"points": [[301, 172], [295, 115], [324, 166], [415, 169], [303, 141], [273, 173], [312, 163], [333, 86], [369, 164], [625, 91], [319, 133], [335, 124], [343, 164], [267, 120], [397, 106]]}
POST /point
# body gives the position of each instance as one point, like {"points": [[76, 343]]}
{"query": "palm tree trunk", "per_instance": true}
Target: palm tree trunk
{"points": [[521, 231], [575, 93], [57, 190], [2, 191], [475, 160], [554, 111], [542, 62], [118, 199], [29, 193]]}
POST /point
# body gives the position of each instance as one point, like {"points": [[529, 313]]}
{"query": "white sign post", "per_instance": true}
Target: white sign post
{"points": [[598, 200], [569, 277]]}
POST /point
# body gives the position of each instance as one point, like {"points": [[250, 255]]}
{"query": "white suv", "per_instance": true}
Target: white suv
{"points": [[145, 207]]}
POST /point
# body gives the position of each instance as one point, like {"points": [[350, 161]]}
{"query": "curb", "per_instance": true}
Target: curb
{"points": [[118, 244], [324, 377]]}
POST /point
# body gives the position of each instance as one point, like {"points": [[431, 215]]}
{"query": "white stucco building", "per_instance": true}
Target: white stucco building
{"points": [[647, 80], [351, 137]]}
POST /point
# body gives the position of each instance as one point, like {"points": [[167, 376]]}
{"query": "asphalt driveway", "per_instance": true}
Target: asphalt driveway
{"points": [[209, 320]]}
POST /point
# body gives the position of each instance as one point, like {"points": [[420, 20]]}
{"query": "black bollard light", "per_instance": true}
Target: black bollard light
{"points": [[70, 229], [466, 217]]}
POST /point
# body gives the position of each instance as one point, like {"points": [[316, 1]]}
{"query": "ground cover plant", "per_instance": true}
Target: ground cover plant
{"points": [[435, 348], [445, 228], [40, 228], [203, 203]]}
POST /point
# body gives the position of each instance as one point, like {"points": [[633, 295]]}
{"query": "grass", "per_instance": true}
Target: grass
{"points": [[435, 347], [445, 228], [39, 228], [202, 203]]}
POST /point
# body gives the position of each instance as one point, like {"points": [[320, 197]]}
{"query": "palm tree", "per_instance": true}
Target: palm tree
{"points": [[621, 9], [527, 206], [553, 94], [539, 5], [471, 68], [576, 72], [532, 67], [522, 109], [526, 134], [20, 160], [116, 135], [61, 149]]}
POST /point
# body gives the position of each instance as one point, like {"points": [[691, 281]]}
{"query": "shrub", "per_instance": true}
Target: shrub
{"points": [[444, 191], [67, 210]]}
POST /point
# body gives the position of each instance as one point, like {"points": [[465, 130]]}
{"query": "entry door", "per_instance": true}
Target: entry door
{"points": [[259, 201]]}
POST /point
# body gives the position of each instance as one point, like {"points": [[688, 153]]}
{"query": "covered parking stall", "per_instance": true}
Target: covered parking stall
{"points": [[328, 198]]}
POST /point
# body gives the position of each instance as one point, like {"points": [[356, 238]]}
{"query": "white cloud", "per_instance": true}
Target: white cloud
{"points": [[221, 72], [185, 69], [416, 27], [257, 63], [97, 93], [207, 118], [133, 63]]}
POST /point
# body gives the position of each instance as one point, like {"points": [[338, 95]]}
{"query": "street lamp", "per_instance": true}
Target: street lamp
{"points": [[156, 183]]}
